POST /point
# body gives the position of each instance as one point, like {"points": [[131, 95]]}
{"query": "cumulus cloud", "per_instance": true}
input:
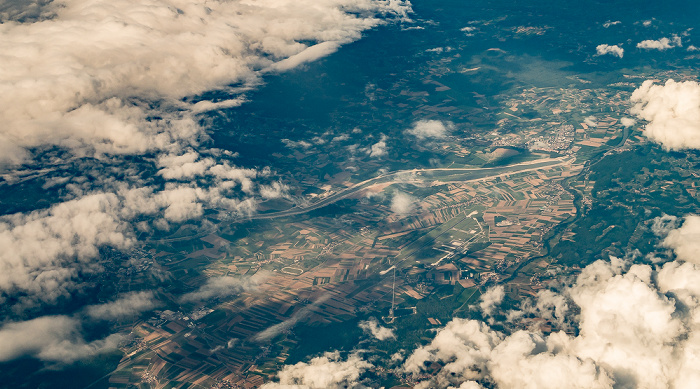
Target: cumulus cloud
{"points": [[329, 371], [492, 298], [51, 339], [430, 129], [378, 149], [128, 306], [637, 327], [685, 241], [221, 287], [89, 89], [628, 122], [373, 328], [613, 50], [403, 203], [44, 251], [664, 224], [108, 78], [184, 166], [672, 112], [23, 10], [99, 80], [661, 44]]}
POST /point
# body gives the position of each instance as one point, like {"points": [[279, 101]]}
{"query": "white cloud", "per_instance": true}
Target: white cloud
{"points": [[614, 50], [378, 149], [685, 241], [609, 23], [664, 224], [661, 44], [23, 10], [549, 305], [81, 79], [403, 203], [491, 299], [128, 306], [325, 372], [272, 331], [273, 191], [628, 122], [340, 138], [430, 129], [43, 252], [103, 79], [591, 121], [296, 144], [221, 287], [672, 111], [637, 327], [183, 166], [50, 338], [373, 328]]}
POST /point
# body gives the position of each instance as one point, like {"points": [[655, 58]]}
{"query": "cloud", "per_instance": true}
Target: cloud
{"points": [[184, 166], [294, 144], [403, 203], [430, 129], [274, 190], [685, 241], [51, 339], [591, 121], [325, 372], [221, 287], [661, 44], [43, 252], [128, 306], [672, 112], [491, 299], [613, 50], [373, 328], [637, 327], [628, 122], [272, 331], [23, 10], [664, 224], [340, 138], [46, 253], [90, 89], [609, 23], [94, 83], [378, 149]]}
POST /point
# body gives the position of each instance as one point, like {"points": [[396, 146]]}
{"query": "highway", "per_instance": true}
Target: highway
{"points": [[453, 174], [472, 174]]}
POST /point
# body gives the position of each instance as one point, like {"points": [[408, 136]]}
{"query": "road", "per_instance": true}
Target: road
{"points": [[473, 175]]}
